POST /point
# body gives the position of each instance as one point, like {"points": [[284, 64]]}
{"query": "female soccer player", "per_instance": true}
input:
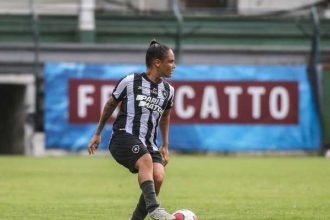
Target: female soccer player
{"points": [[146, 101]]}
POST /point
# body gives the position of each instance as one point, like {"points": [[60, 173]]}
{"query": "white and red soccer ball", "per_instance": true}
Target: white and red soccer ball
{"points": [[185, 214]]}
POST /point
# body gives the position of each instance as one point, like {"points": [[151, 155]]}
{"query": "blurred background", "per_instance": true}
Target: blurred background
{"points": [[282, 47]]}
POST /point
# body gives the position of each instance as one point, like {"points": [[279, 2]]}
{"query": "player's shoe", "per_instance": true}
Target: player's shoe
{"points": [[161, 214]]}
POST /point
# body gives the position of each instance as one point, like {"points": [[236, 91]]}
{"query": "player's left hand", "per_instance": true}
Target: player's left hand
{"points": [[165, 154], [93, 144]]}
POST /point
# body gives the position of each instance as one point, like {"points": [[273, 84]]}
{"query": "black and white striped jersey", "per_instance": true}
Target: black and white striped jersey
{"points": [[143, 103]]}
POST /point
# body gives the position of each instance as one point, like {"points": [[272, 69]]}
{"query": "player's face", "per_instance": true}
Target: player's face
{"points": [[167, 65]]}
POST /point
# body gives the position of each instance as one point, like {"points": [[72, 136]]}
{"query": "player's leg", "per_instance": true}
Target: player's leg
{"points": [[129, 151], [158, 170], [140, 211], [148, 188], [145, 177], [158, 175], [145, 168]]}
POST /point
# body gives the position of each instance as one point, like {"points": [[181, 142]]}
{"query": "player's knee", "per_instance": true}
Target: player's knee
{"points": [[158, 178], [144, 162]]}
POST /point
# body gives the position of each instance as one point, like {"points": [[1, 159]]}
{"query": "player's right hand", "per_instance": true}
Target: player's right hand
{"points": [[94, 144]]}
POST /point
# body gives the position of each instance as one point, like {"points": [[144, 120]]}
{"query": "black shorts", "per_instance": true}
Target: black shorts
{"points": [[126, 149]]}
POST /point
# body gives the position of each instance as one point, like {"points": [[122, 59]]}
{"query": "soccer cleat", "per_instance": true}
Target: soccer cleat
{"points": [[161, 214]]}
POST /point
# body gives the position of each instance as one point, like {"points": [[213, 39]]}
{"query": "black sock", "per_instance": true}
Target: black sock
{"points": [[149, 194], [140, 211]]}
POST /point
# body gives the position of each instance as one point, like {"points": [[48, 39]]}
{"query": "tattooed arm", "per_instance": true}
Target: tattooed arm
{"points": [[108, 109]]}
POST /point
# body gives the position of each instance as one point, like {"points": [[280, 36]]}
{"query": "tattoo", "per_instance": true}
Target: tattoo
{"points": [[108, 109]]}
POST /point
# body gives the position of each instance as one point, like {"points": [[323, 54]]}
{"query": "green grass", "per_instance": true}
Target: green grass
{"points": [[213, 187]]}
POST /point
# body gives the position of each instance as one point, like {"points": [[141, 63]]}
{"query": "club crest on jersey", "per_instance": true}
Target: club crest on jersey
{"points": [[165, 93], [136, 149]]}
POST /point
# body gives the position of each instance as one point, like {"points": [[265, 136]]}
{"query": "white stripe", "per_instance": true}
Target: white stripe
{"points": [[161, 88], [122, 85], [145, 113], [171, 90], [130, 104]]}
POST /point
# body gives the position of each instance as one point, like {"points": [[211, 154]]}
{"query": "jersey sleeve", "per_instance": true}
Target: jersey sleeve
{"points": [[120, 90], [170, 102]]}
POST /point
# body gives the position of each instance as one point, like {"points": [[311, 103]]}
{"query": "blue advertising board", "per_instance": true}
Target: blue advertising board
{"points": [[216, 107]]}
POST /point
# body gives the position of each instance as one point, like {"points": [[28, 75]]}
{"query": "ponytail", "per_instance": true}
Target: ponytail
{"points": [[155, 51]]}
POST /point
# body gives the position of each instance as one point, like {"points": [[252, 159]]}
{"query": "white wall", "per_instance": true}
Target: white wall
{"points": [[147, 5], [262, 6], [60, 7]]}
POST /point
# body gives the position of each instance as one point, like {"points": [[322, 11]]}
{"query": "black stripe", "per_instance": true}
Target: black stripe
{"points": [[137, 83], [167, 89]]}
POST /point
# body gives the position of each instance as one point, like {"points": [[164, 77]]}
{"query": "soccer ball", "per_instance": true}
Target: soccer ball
{"points": [[185, 214]]}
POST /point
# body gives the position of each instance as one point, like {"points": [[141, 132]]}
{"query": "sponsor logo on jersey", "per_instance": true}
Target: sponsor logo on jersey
{"points": [[149, 102]]}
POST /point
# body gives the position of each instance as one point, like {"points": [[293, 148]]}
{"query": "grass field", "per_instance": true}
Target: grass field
{"points": [[213, 187]]}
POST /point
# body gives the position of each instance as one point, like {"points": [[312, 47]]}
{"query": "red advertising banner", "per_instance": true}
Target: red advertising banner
{"points": [[200, 102]]}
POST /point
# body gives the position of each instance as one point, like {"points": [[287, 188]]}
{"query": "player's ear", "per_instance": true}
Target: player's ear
{"points": [[157, 62]]}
